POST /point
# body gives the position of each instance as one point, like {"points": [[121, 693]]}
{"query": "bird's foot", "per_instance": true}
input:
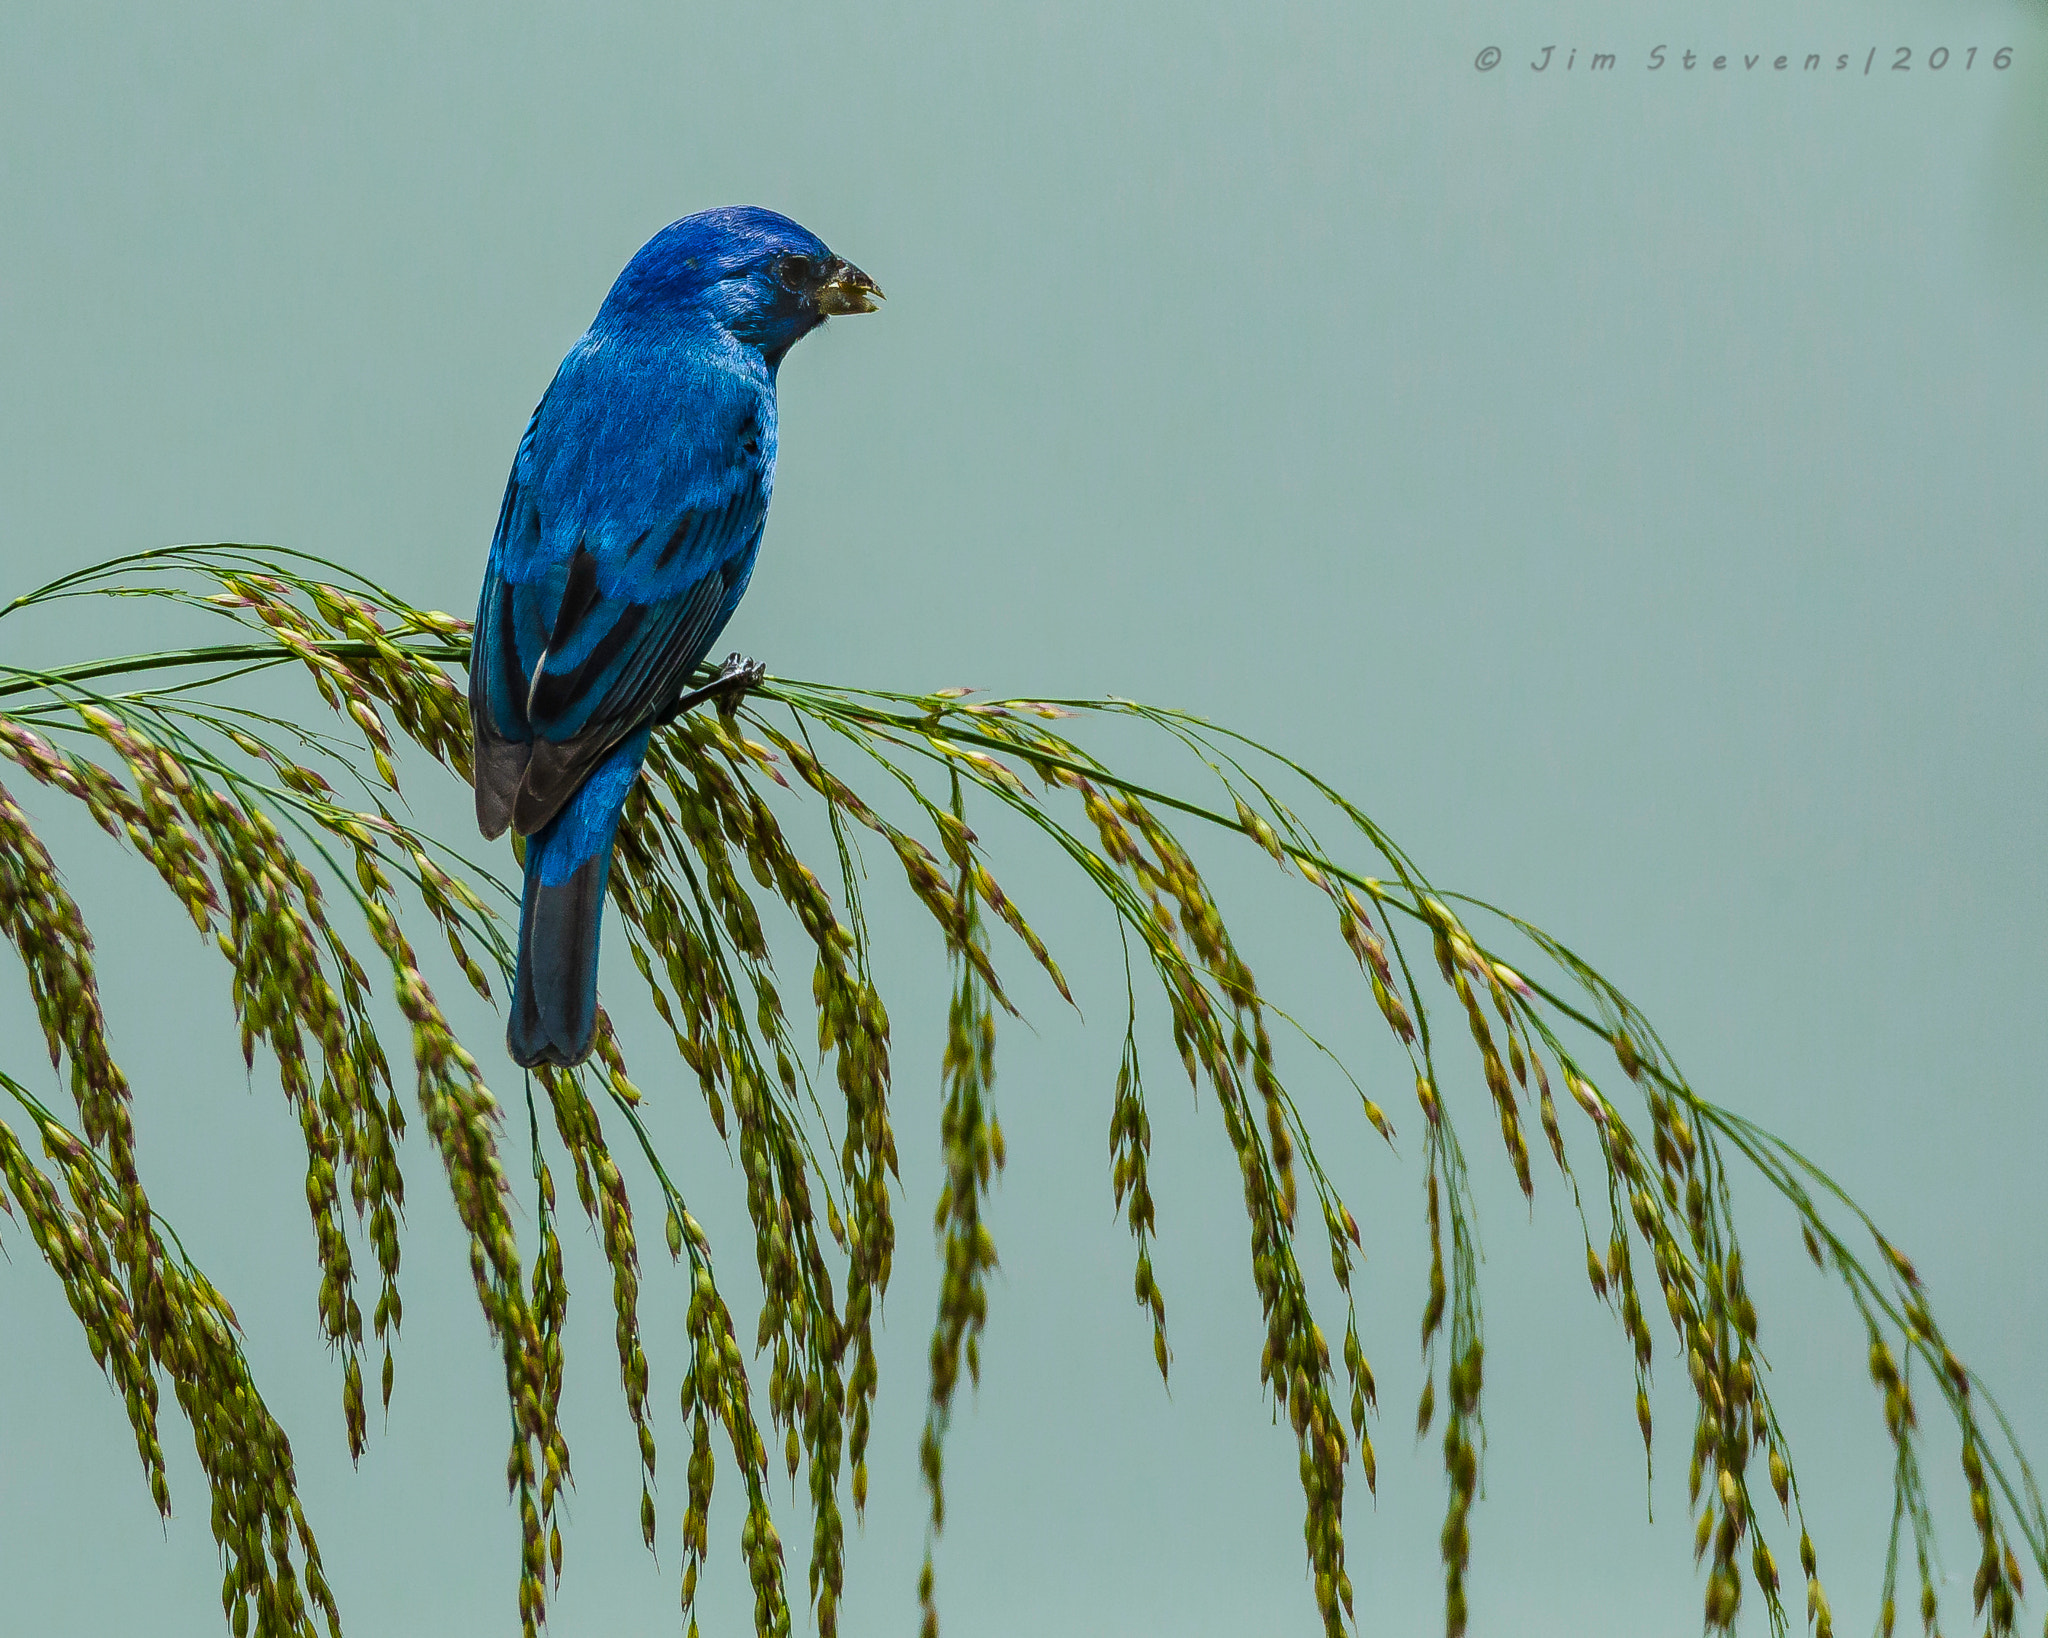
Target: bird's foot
{"points": [[728, 688]]}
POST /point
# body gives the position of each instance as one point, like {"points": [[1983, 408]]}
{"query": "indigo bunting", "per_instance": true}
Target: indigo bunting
{"points": [[627, 535]]}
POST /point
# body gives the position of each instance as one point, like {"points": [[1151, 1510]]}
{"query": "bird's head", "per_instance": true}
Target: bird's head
{"points": [[757, 274]]}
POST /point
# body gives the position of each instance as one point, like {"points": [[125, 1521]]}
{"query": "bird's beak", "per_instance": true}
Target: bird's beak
{"points": [[846, 290]]}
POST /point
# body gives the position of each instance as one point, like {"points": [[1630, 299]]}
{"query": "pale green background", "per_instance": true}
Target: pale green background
{"points": [[1629, 487]]}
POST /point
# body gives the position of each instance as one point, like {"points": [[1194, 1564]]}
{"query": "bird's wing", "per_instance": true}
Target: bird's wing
{"points": [[627, 535]]}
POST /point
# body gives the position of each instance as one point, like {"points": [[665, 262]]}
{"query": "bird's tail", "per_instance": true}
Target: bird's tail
{"points": [[561, 908]]}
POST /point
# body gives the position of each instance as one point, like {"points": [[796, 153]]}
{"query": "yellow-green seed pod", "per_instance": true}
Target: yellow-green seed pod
{"points": [[1731, 1498], [1764, 1567]]}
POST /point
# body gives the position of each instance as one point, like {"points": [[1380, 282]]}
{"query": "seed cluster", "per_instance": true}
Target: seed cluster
{"points": [[684, 907], [144, 1309], [972, 1140], [259, 826], [222, 838], [1220, 1028]]}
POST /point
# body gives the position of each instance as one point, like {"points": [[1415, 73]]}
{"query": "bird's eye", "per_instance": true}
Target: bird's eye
{"points": [[796, 273]]}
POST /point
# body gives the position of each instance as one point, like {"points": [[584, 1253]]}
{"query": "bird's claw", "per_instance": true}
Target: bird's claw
{"points": [[728, 688], [738, 677]]}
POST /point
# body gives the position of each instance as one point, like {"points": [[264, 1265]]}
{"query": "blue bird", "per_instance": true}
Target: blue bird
{"points": [[628, 532]]}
